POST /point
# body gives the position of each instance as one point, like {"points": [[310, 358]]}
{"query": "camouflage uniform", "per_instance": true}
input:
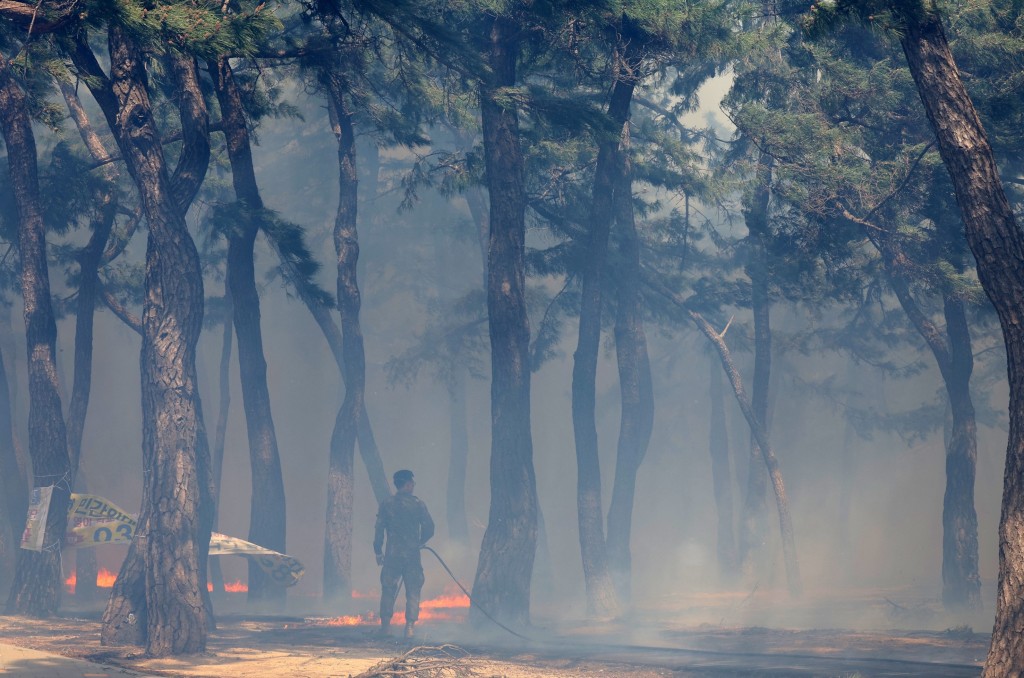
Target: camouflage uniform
{"points": [[408, 525]]}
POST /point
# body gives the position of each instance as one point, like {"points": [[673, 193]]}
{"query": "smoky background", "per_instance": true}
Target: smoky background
{"points": [[866, 505]]}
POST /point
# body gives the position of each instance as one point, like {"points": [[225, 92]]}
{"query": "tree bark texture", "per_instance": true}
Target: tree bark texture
{"points": [[505, 567], [998, 246], [755, 213], [601, 598], [37, 584], [267, 503], [721, 477], [157, 596], [340, 480], [767, 453], [635, 384]]}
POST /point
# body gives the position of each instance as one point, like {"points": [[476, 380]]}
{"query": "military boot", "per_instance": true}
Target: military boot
{"points": [[410, 633]]}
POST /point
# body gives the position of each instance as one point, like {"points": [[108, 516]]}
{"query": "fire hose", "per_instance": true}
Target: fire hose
{"points": [[471, 601]]}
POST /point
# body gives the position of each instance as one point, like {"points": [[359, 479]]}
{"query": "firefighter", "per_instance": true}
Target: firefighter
{"points": [[407, 523]]}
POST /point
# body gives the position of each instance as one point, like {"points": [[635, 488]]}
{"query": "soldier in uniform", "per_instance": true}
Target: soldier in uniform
{"points": [[407, 523]]}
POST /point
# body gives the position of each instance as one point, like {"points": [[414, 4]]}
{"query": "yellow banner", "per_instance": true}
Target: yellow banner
{"points": [[93, 521]]}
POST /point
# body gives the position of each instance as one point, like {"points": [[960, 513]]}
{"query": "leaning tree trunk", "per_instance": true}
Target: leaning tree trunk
{"points": [[340, 482], [505, 568], [635, 384], [368, 450], [601, 598], [998, 246], [961, 581], [721, 477], [753, 524], [267, 502], [767, 453], [37, 582], [160, 593]]}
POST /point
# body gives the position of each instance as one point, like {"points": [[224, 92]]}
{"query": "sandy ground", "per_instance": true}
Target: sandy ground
{"points": [[309, 649], [296, 649]]}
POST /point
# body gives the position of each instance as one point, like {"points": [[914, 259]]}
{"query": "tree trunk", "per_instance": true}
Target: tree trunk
{"points": [[160, 592], [502, 581], [220, 434], [635, 385], [998, 246], [601, 599], [458, 526], [340, 482], [13, 489], [90, 260], [267, 502], [721, 477], [368, 450], [753, 524], [961, 581], [767, 454], [37, 585]]}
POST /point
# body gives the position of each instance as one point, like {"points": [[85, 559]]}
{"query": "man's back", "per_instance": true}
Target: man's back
{"points": [[407, 522]]}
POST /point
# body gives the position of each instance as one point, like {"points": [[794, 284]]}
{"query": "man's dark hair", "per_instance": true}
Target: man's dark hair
{"points": [[402, 477]]}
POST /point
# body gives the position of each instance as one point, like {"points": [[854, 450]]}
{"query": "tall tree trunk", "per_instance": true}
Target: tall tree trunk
{"points": [[220, 433], [320, 310], [637, 420], [340, 482], [961, 581], [767, 453], [160, 593], [90, 259], [601, 599], [502, 581], [13, 489], [998, 246], [721, 477], [753, 524], [458, 526], [37, 585], [267, 504]]}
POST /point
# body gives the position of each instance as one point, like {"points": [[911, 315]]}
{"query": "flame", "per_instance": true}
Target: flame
{"points": [[448, 601], [104, 580], [447, 607]]}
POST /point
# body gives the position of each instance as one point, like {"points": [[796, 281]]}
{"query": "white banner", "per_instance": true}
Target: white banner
{"points": [[35, 521]]}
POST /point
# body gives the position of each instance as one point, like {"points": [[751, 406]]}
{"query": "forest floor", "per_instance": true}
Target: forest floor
{"points": [[310, 647]]}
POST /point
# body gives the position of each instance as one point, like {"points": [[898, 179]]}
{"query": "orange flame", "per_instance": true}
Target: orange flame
{"points": [[447, 607], [104, 580], [236, 586]]}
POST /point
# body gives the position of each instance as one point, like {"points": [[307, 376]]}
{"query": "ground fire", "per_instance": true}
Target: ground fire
{"points": [[105, 580], [450, 606]]}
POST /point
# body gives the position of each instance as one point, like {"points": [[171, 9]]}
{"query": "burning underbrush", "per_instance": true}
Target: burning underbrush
{"points": [[105, 580], [451, 606]]}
